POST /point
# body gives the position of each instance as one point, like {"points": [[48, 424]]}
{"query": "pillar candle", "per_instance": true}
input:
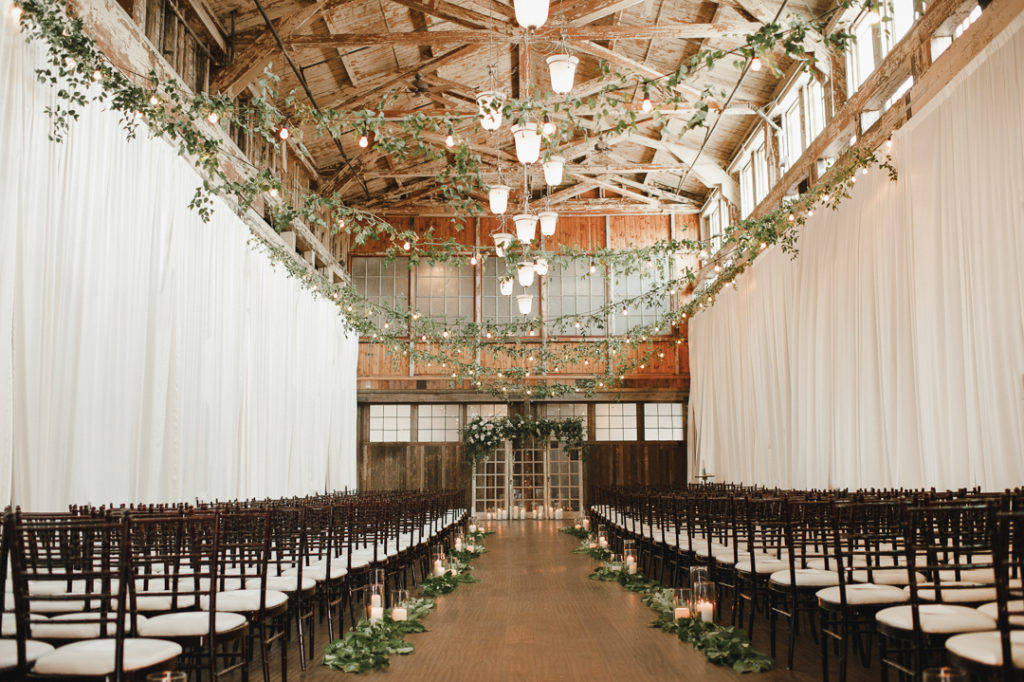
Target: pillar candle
{"points": [[400, 613], [438, 568], [472, 528], [376, 613], [603, 542], [586, 524], [458, 544], [680, 612], [631, 565], [707, 611], [375, 600]]}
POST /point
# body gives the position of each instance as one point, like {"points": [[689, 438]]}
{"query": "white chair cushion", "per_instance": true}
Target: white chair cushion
{"points": [[283, 583], [95, 657], [864, 593], [65, 627], [966, 574], [885, 576], [936, 618], [318, 572], [189, 624], [153, 603], [56, 606], [9, 651], [987, 647], [806, 577], [1015, 606], [764, 565], [958, 593], [243, 601]]}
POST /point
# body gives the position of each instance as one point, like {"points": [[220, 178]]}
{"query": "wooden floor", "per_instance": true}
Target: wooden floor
{"points": [[534, 615]]}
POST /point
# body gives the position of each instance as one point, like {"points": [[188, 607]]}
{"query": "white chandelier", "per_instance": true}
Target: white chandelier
{"points": [[531, 13], [553, 170], [548, 219], [525, 273], [501, 242], [527, 142], [526, 227], [525, 303], [563, 72], [490, 105], [497, 197]]}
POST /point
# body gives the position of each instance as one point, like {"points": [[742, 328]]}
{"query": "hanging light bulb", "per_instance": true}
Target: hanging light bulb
{"points": [[562, 68], [97, 75], [364, 141], [647, 104], [407, 246], [525, 273], [548, 220], [526, 227], [531, 13], [213, 117], [540, 265], [549, 128], [283, 133], [490, 105], [497, 196], [449, 140], [501, 242], [507, 285], [755, 64], [553, 168], [593, 268], [153, 101], [527, 142], [525, 303], [473, 260]]}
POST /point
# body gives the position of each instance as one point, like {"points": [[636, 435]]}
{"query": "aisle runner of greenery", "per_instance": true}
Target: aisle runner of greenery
{"points": [[723, 645], [369, 646]]}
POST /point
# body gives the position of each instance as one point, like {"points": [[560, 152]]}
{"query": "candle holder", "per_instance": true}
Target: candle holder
{"points": [[438, 559], [399, 610], [602, 537], [614, 562], [460, 542], [704, 600], [452, 565], [585, 521], [629, 557], [682, 602], [592, 541], [473, 524], [699, 574]]}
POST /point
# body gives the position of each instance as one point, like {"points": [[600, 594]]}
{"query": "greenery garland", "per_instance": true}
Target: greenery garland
{"points": [[481, 436], [723, 645], [369, 646], [82, 73]]}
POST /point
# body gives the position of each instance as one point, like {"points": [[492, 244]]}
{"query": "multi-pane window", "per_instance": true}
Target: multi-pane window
{"points": [[900, 91], [444, 291], [573, 290], [759, 160], [381, 283], [437, 423], [487, 411], [747, 202], [814, 109], [792, 132], [565, 411], [864, 55], [663, 421], [499, 308], [632, 308], [390, 423], [615, 421]]}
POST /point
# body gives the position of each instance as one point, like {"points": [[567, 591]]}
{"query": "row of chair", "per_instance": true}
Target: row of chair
{"points": [[123, 591], [933, 577]]}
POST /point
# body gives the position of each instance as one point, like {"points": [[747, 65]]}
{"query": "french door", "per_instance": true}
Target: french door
{"points": [[540, 479]]}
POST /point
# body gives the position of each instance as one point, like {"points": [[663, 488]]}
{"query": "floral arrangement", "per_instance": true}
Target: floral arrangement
{"points": [[480, 436]]}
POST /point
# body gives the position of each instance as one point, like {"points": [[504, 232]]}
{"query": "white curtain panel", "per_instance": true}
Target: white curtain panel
{"points": [[890, 352], [146, 355]]}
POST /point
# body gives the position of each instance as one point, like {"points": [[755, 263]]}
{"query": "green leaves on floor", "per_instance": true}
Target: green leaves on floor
{"points": [[443, 584]]}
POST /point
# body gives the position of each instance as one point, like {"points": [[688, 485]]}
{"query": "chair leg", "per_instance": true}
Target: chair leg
{"points": [[264, 653]]}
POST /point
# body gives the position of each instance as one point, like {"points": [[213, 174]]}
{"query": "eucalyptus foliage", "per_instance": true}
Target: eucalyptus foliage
{"points": [[369, 646]]}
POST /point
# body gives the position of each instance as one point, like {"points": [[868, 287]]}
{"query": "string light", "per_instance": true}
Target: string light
{"points": [[449, 139], [406, 246], [283, 133], [214, 117], [593, 268], [548, 129], [364, 141], [97, 75], [153, 101], [274, 193], [646, 105], [473, 260], [888, 144], [755, 64]]}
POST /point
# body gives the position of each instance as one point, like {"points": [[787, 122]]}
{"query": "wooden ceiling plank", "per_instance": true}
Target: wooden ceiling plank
{"points": [[448, 11]]}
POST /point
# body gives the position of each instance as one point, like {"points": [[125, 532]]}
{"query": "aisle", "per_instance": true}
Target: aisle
{"points": [[534, 615]]}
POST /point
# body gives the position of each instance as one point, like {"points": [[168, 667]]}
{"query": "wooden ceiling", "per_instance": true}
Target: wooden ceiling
{"points": [[438, 54]]}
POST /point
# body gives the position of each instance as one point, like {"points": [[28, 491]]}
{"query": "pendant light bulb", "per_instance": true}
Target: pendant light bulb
{"points": [[549, 128], [531, 13], [213, 117], [647, 105], [283, 133], [449, 140], [364, 141], [562, 68], [755, 64]]}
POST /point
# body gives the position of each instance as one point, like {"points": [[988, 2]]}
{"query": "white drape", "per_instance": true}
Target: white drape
{"points": [[891, 351], [145, 355]]}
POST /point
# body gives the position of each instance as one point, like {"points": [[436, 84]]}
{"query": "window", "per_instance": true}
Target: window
{"points": [[792, 132], [863, 55], [966, 23], [487, 411], [444, 292], [663, 421], [381, 283], [499, 308], [814, 109], [900, 91], [627, 287], [437, 423], [572, 290], [747, 202], [759, 161], [390, 423], [565, 411], [615, 421]]}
